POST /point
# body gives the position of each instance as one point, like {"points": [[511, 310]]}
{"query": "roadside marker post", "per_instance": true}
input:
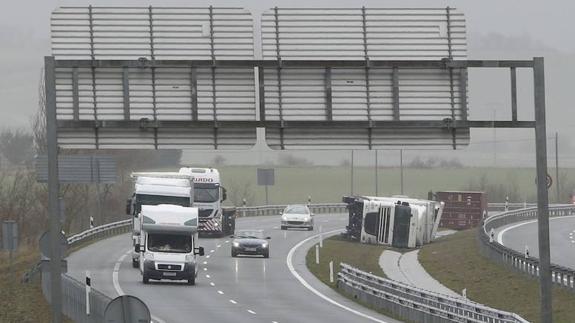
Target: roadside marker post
{"points": [[320, 238], [331, 271], [317, 254], [88, 290]]}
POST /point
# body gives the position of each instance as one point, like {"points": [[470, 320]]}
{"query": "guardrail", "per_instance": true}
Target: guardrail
{"points": [[415, 304], [489, 247], [74, 291], [277, 209]]}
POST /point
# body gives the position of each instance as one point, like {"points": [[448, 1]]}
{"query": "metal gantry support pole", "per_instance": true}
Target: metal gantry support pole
{"points": [[53, 191], [351, 179], [376, 177], [401, 169], [542, 193]]}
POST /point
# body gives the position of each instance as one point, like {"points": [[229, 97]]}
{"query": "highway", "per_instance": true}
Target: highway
{"points": [[245, 289], [562, 239]]}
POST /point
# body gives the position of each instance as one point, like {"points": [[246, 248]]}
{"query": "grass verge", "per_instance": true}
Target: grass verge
{"points": [[21, 302], [455, 261], [338, 250]]}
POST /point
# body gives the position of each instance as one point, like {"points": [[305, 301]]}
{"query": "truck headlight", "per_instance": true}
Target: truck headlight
{"points": [[190, 258], [148, 256], [264, 245], [236, 244]]}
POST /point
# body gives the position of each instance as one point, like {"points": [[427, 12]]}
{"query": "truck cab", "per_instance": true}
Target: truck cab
{"points": [[209, 195], [169, 243]]}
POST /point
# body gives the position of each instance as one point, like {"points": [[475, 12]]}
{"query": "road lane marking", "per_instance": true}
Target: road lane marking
{"points": [[205, 268], [208, 256], [227, 241], [207, 276], [116, 282], [220, 292], [205, 262], [212, 251], [233, 302], [212, 284], [502, 232], [289, 261], [252, 312], [218, 246]]}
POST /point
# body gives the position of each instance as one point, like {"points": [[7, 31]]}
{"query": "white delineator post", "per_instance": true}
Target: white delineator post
{"points": [[317, 254], [331, 271], [88, 289], [320, 238]]}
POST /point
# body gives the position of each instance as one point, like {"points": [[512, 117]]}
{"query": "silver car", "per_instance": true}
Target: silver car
{"points": [[297, 216]]}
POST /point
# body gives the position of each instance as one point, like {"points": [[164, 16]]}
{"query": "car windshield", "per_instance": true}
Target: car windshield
{"points": [[296, 209], [206, 193], [175, 243], [252, 234]]}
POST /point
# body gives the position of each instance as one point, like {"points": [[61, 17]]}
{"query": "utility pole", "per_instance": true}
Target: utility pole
{"points": [[401, 168], [557, 168], [494, 139], [352, 172], [376, 182]]}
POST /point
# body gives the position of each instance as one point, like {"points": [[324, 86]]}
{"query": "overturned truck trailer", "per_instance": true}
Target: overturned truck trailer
{"points": [[398, 221]]}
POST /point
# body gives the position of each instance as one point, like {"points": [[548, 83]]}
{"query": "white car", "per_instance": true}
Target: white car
{"points": [[297, 216]]}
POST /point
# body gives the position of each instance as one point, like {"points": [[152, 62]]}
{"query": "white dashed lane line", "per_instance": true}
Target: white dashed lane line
{"points": [[212, 284], [208, 256], [207, 276], [218, 246], [205, 262], [205, 268], [233, 302], [251, 312], [212, 251], [220, 292]]}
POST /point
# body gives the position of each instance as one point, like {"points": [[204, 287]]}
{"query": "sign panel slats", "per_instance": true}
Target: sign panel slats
{"points": [[151, 91], [131, 33], [339, 33]]}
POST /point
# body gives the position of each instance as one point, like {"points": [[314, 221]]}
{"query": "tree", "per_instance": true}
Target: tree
{"points": [[17, 146]]}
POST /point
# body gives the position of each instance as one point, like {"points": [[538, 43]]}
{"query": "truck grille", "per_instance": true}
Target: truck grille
{"points": [[203, 213], [169, 267]]}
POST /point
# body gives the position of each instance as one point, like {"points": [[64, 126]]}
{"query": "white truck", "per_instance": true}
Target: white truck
{"points": [[153, 188], [398, 221], [209, 195], [169, 243]]}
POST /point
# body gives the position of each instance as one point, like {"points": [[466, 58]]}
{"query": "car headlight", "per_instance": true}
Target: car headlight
{"points": [[190, 258], [149, 256], [284, 218], [264, 245], [236, 244]]}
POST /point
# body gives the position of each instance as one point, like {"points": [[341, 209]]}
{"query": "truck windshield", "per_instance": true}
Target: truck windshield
{"points": [[206, 193], [174, 243], [144, 199]]}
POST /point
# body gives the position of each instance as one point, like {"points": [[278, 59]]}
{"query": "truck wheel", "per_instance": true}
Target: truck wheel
{"points": [[266, 254], [310, 229], [135, 263], [234, 254], [145, 279], [192, 281]]}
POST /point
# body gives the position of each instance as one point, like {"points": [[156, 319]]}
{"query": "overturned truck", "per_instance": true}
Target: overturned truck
{"points": [[398, 221]]}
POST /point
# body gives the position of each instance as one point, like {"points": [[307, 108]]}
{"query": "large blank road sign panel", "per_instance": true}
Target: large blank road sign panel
{"points": [[87, 33], [375, 33], [147, 65]]}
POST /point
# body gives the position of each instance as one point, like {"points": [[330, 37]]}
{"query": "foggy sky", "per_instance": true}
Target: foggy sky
{"points": [[535, 27]]}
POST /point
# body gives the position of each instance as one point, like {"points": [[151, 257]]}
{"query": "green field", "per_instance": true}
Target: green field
{"points": [[455, 261], [329, 184]]}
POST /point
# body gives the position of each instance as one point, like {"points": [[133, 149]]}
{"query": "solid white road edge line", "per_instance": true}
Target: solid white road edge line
{"points": [[502, 232], [116, 282], [289, 261]]}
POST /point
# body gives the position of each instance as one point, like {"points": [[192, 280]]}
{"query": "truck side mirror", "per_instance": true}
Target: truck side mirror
{"points": [[200, 251], [137, 248], [129, 207], [224, 194]]}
